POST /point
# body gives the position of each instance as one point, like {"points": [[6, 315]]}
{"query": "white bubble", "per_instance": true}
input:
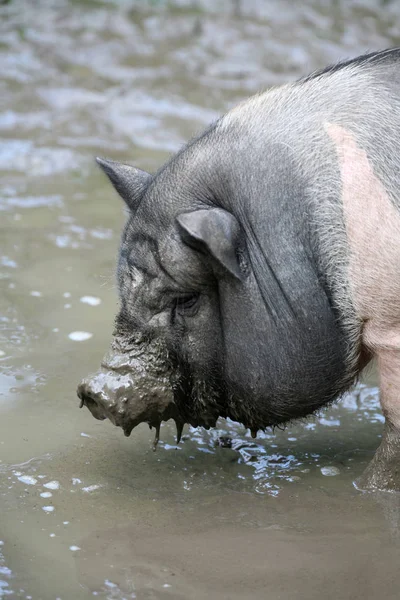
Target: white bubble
{"points": [[80, 336], [74, 548], [27, 479], [75, 481], [330, 471], [67, 295], [52, 485], [46, 494], [329, 422], [92, 300], [65, 522], [48, 509], [85, 435], [91, 488], [52, 535], [2, 353], [36, 293]]}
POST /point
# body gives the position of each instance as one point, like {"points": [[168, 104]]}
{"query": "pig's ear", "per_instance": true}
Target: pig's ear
{"points": [[216, 231], [130, 182]]}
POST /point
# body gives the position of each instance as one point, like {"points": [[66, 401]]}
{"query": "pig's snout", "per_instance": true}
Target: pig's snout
{"points": [[91, 397], [106, 395], [131, 388]]}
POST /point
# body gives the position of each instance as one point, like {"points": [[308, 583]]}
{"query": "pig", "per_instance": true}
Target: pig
{"points": [[259, 268]]}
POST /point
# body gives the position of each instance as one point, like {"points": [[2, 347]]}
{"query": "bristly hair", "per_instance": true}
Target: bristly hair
{"points": [[384, 56]]}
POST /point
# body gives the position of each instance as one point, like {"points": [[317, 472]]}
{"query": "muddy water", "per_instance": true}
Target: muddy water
{"points": [[85, 512]]}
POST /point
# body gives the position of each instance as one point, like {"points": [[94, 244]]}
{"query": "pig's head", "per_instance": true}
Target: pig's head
{"points": [[223, 309], [166, 357]]}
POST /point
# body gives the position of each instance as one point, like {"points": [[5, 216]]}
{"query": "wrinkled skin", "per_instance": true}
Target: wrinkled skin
{"points": [[239, 290]]}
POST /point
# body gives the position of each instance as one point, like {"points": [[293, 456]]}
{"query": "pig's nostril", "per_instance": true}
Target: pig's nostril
{"points": [[81, 398], [89, 398], [82, 393]]}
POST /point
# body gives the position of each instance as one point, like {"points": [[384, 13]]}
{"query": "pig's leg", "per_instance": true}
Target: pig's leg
{"points": [[383, 473]]}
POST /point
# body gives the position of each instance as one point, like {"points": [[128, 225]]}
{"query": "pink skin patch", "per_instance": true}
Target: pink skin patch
{"points": [[373, 229]]}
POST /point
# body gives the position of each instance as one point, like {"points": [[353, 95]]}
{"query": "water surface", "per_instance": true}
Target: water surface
{"points": [[86, 512]]}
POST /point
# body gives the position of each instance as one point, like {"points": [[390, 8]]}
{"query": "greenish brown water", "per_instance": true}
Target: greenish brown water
{"points": [[86, 512]]}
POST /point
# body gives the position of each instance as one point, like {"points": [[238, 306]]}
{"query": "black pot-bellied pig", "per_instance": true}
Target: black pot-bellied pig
{"points": [[259, 269]]}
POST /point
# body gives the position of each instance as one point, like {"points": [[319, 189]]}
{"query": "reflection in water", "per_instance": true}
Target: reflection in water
{"points": [[221, 515], [390, 505]]}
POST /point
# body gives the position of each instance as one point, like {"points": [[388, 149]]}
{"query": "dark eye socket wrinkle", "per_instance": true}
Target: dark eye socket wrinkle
{"points": [[140, 265]]}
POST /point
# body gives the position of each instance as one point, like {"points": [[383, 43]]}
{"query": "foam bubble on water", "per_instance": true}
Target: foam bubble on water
{"points": [[52, 535], [330, 471], [48, 509], [76, 481], [329, 422], [65, 522], [110, 584], [67, 294], [52, 485], [91, 488], [27, 479], [92, 300], [46, 494], [175, 447], [36, 294], [74, 548], [310, 426], [85, 435], [80, 336], [2, 353]]}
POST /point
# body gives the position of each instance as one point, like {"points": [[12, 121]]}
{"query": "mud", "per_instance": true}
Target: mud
{"points": [[87, 513], [132, 387]]}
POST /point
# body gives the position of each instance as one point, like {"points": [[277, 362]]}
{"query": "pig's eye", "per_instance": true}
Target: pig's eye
{"points": [[186, 304]]}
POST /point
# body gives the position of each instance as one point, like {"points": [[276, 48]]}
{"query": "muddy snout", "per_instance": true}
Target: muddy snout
{"points": [[90, 396], [106, 396], [127, 390], [109, 395]]}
